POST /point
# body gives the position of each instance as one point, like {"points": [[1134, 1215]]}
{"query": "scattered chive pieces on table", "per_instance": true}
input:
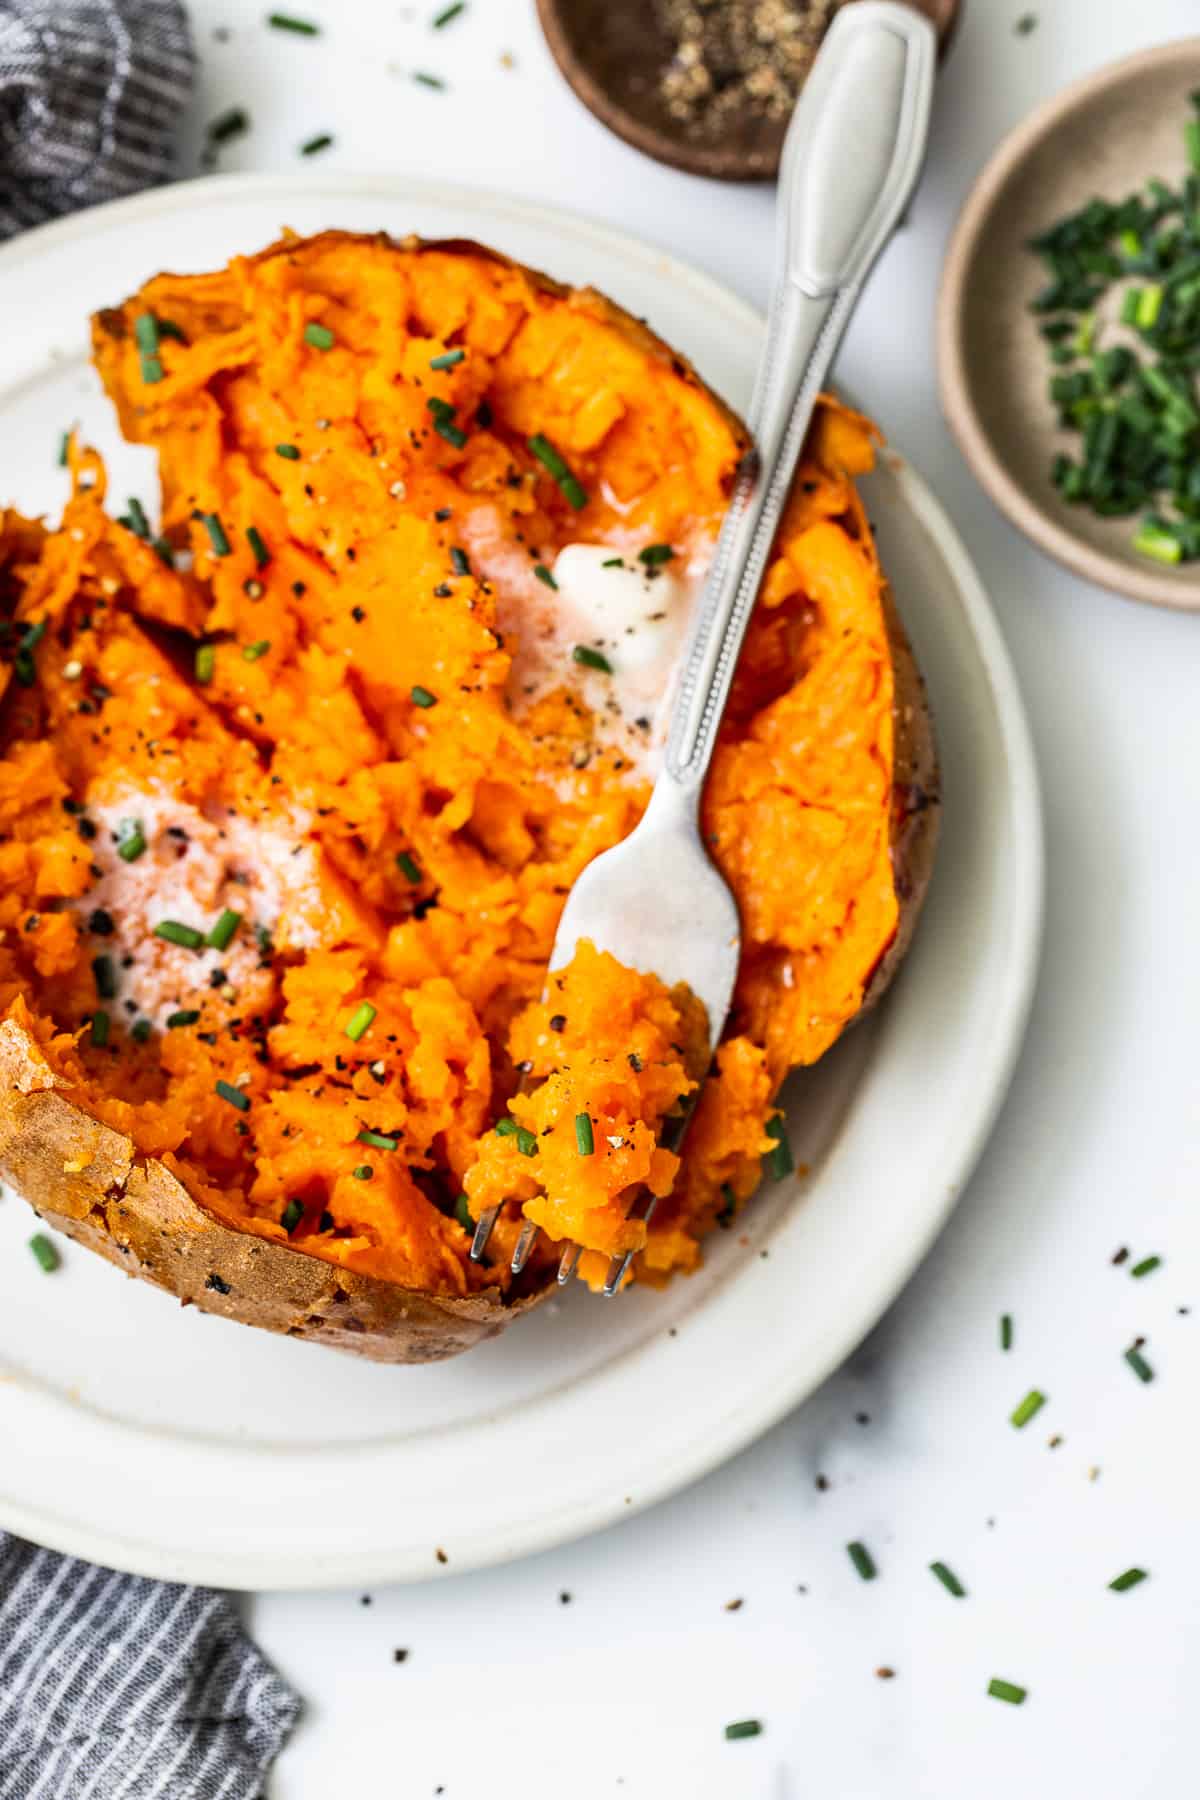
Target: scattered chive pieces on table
{"points": [[585, 1138], [291, 1215], [408, 866], [591, 659], [185, 1016], [186, 936], [1006, 1331], [221, 935], [949, 1580], [288, 452], [262, 555], [206, 663], [1129, 1578], [862, 1559], [227, 125], [216, 534], [318, 336], [45, 1252], [543, 574], [286, 22], [1006, 1690], [233, 1095], [656, 553], [448, 14], [1147, 1266], [447, 359], [361, 1020], [313, 145], [462, 1212], [1031, 1404], [743, 1728], [100, 1024], [430, 81], [778, 1160], [64, 446], [364, 1172], [1138, 1364], [378, 1140], [421, 696]]}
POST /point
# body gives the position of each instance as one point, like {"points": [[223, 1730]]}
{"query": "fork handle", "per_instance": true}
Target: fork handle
{"points": [[850, 162]]}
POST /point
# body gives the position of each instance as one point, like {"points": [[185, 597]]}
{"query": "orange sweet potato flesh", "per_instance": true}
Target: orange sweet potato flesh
{"points": [[343, 767]]}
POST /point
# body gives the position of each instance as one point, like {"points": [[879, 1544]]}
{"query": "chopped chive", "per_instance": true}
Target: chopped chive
{"points": [[1151, 540], [1006, 1331], [291, 1215], [1149, 306], [1191, 138], [221, 934], [555, 465], [1130, 301], [205, 663], [361, 1020], [408, 866], [447, 359], [131, 841], [506, 1127], [45, 1253], [152, 370], [140, 1030], [1138, 1364], [228, 125], [591, 659], [1031, 1404], [584, 1136], [543, 574], [1120, 1584], [573, 492], [186, 1015], [288, 452], [743, 1728], [319, 336], [167, 328], [655, 553], [216, 534], [252, 652], [446, 428], [778, 1160], [862, 1559], [728, 1210], [262, 555], [421, 696], [186, 936], [100, 1024], [462, 1212], [139, 524], [64, 445], [1147, 1266], [430, 81], [1006, 1690], [448, 13], [949, 1580], [145, 333], [233, 1095], [364, 1172], [614, 562], [311, 146], [105, 976], [164, 551], [527, 1142], [378, 1140], [285, 22], [460, 562]]}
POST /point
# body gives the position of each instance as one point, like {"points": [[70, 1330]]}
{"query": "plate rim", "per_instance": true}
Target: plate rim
{"points": [[722, 1438]]}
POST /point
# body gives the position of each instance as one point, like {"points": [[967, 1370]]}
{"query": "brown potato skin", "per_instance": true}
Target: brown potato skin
{"points": [[135, 1212]]}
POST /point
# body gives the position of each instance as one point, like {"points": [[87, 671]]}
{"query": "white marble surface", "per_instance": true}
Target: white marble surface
{"points": [[508, 1689]]}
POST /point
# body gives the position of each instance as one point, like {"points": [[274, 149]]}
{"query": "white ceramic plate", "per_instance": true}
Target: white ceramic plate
{"points": [[184, 1446]]}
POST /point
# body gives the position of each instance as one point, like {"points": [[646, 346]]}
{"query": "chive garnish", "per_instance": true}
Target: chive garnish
{"points": [[543, 574], [313, 145], [44, 1252], [462, 1212], [655, 553], [233, 1095], [554, 464], [319, 336], [378, 1140], [186, 936], [1147, 1266], [1006, 1331], [135, 513], [459, 560], [614, 562], [291, 1215], [1031, 1404], [421, 696], [360, 1021], [163, 550], [527, 1142], [145, 333], [447, 360], [591, 659], [1138, 1364], [506, 1127], [105, 976], [585, 1138], [288, 452], [445, 427], [205, 663], [430, 81], [1157, 543], [949, 1580], [152, 370], [743, 1728], [187, 1015], [862, 1559], [216, 533], [131, 841], [228, 125], [408, 866], [262, 555], [100, 1023], [64, 445], [1121, 1584], [140, 1030], [285, 22], [222, 933], [448, 13], [252, 652], [1006, 1690], [364, 1172], [778, 1160]]}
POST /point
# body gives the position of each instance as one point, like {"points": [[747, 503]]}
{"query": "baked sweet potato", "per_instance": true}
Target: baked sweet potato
{"points": [[291, 794]]}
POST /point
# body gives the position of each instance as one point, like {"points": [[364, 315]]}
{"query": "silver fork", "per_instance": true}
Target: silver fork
{"points": [[850, 163]]}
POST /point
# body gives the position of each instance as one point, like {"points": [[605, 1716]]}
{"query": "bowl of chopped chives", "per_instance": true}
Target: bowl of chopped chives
{"points": [[1069, 327]]}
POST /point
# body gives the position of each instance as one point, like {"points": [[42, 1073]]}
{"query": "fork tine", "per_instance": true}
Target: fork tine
{"points": [[525, 1243], [618, 1266], [568, 1263], [483, 1232]]}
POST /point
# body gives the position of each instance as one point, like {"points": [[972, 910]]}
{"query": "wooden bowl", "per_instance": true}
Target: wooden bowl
{"points": [[612, 53], [1105, 135]]}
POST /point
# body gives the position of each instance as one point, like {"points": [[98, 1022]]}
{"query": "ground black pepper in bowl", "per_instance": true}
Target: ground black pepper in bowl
{"points": [[734, 56]]}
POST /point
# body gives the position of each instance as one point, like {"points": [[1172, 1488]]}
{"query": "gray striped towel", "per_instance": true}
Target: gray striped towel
{"points": [[113, 1687], [90, 94]]}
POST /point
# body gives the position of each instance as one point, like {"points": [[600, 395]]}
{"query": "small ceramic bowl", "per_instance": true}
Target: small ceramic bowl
{"points": [[1105, 135], [612, 51]]}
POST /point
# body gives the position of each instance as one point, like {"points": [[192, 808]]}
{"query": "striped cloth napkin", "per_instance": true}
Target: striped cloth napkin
{"points": [[112, 1687]]}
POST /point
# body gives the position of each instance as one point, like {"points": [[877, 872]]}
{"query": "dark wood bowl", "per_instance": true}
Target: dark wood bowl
{"points": [[611, 52]]}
